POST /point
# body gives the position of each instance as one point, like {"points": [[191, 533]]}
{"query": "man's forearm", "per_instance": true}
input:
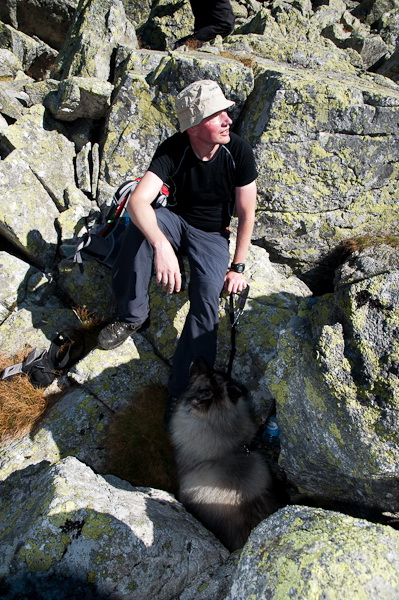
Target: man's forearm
{"points": [[142, 213], [244, 234], [143, 216], [245, 204]]}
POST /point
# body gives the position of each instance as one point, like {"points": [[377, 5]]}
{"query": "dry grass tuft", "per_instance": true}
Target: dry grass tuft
{"points": [[247, 61], [138, 448], [21, 405], [87, 317], [368, 240], [84, 338]]}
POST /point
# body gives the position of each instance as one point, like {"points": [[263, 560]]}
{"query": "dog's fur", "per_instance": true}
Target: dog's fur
{"points": [[229, 489]]}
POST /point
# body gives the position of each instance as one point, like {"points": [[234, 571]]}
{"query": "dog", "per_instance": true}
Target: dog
{"points": [[227, 487]]}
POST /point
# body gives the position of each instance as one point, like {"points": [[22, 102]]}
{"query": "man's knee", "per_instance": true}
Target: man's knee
{"points": [[205, 296]]}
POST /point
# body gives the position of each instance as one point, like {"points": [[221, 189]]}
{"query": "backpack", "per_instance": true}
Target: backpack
{"points": [[41, 365], [101, 238]]}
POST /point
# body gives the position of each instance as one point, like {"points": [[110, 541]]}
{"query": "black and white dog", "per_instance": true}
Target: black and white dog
{"points": [[227, 487]]}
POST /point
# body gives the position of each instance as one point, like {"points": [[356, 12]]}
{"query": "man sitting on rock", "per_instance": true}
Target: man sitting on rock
{"points": [[210, 170]]}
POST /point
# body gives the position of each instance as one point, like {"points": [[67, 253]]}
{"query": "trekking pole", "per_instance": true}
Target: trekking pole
{"points": [[234, 318]]}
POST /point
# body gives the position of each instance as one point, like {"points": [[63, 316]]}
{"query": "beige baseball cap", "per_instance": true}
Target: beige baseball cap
{"points": [[199, 100]]}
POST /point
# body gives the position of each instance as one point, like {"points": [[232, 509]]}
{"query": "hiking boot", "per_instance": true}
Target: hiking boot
{"points": [[170, 407], [114, 334]]}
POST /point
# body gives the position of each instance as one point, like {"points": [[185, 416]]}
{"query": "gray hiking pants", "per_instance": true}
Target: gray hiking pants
{"points": [[208, 256]]}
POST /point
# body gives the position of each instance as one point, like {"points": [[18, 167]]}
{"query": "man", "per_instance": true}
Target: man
{"points": [[211, 18], [209, 170]]}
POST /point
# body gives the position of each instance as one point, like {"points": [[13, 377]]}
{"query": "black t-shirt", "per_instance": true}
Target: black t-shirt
{"points": [[203, 192]]}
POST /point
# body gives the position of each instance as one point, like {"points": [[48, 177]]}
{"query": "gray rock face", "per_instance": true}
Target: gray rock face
{"points": [[96, 31], [36, 145], [49, 20], [316, 184], [79, 97], [14, 278], [310, 553], [56, 528], [36, 57], [390, 67], [27, 225], [343, 384]]}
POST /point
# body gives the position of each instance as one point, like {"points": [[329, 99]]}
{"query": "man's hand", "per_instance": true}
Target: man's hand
{"points": [[234, 282], [167, 267]]}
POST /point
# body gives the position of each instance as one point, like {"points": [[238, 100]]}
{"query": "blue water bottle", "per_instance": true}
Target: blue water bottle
{"points": [[271, 432]]}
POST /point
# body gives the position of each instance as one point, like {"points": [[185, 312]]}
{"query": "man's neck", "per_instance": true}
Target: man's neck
{"points": [[203, 151]]}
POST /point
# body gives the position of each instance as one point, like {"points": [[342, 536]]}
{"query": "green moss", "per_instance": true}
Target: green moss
{"points": [[132, 586], [281, 392], [39, 556], [335, 432], [315, 395], [318, 152], [98, 526]]}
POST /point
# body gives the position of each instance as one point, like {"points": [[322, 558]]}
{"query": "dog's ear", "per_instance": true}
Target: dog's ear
{"points": [[199, 367], [235, 391]]}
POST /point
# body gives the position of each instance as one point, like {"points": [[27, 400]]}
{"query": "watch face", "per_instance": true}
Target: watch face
{"points": [[238, 267]]}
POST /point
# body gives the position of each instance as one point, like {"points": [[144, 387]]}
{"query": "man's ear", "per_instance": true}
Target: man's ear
{"points": [[192, 130]]}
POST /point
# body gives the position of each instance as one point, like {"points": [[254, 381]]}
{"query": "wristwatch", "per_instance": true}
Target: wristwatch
{"points": [[237, 267]]}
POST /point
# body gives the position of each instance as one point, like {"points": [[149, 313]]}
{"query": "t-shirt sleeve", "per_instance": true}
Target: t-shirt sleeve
{"points": [[162, 163], [246, 171]]}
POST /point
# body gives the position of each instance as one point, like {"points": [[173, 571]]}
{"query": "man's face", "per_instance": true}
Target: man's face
{"points": [[214, 129]]}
